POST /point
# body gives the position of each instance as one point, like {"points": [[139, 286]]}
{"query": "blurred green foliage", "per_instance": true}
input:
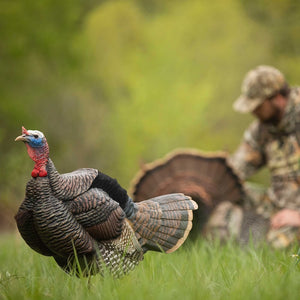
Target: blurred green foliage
{"points": [[113, 84]]}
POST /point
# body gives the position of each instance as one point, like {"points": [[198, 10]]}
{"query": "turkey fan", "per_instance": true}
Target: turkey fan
{"points": [[206, 177]]}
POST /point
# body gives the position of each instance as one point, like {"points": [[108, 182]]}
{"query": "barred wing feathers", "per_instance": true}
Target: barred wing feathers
{"points": [[101, 216], [70, 185]]}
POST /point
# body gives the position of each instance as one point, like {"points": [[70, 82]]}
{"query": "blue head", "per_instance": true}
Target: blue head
{"points": [[36, 139]]}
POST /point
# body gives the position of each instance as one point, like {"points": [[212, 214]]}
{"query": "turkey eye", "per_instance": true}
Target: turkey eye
{"points": [[35, 136]]}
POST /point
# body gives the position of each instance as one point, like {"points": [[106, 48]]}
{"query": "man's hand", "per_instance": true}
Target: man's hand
{"points": [[285, 217]]}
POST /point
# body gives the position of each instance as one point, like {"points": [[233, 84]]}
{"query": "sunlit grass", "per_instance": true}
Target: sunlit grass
{"points": [[199, 270]]}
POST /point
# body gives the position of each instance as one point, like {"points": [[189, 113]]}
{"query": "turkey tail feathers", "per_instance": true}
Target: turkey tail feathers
{"points": [[205, 176], [163, 223]]}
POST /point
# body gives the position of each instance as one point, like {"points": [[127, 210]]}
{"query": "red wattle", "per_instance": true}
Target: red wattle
{"points": [[35, 173], [40, 156], [43, 173]]}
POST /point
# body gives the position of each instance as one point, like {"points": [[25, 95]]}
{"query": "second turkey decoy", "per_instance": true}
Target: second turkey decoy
{"points": [[85, 218], [210, 180]]}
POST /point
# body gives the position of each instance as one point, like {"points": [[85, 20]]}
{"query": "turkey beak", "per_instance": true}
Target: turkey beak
{"points": [[22, 138]]}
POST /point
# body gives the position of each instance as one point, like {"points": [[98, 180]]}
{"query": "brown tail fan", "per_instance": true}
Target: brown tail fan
{"points": [[205, 177]]}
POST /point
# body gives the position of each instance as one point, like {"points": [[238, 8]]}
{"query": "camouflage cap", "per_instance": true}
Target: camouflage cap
{"points": [[259, 84]]}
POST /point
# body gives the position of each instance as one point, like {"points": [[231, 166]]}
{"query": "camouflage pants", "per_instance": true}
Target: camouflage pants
{"points": [[250, 221]]}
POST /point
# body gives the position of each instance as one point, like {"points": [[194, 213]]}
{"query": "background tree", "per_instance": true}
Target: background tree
{"points": [[115, 83]]}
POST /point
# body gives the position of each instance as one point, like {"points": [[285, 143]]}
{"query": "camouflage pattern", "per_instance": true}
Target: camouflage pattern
{"points": [[230, 221], [225, 222], [278, 148], [259, 84]]}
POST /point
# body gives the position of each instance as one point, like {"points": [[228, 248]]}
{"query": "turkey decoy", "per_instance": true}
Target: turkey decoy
{"points": [[206, 177], [210, 181], [88, 223]]}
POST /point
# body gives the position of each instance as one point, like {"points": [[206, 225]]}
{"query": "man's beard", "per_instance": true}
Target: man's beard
{"points": [[274, 119]]}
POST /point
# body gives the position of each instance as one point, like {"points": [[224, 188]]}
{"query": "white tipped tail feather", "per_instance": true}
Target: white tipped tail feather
{"points": [[163, 223]]}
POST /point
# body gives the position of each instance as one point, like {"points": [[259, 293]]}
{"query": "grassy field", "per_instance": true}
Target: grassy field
{"points": [[199, 270]]}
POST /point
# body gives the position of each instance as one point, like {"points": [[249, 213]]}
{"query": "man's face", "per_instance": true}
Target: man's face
{"points": [[268, 112]]}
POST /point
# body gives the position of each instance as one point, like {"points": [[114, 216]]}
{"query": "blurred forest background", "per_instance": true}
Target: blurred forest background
{"points": [[113, 84]]}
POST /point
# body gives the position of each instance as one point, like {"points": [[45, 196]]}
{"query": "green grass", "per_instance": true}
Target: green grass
{"points": [[199, 270]]}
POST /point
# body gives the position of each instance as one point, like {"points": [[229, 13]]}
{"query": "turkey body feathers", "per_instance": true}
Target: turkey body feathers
{"points": [[54, 225], [86, 217], [56, 228]]}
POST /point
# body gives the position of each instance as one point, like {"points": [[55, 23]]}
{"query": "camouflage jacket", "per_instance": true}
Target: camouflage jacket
{"points": [[278, 148]]}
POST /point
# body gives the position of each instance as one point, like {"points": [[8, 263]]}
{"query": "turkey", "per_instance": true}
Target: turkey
{"points": [[208, 179], [86, 221]]}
